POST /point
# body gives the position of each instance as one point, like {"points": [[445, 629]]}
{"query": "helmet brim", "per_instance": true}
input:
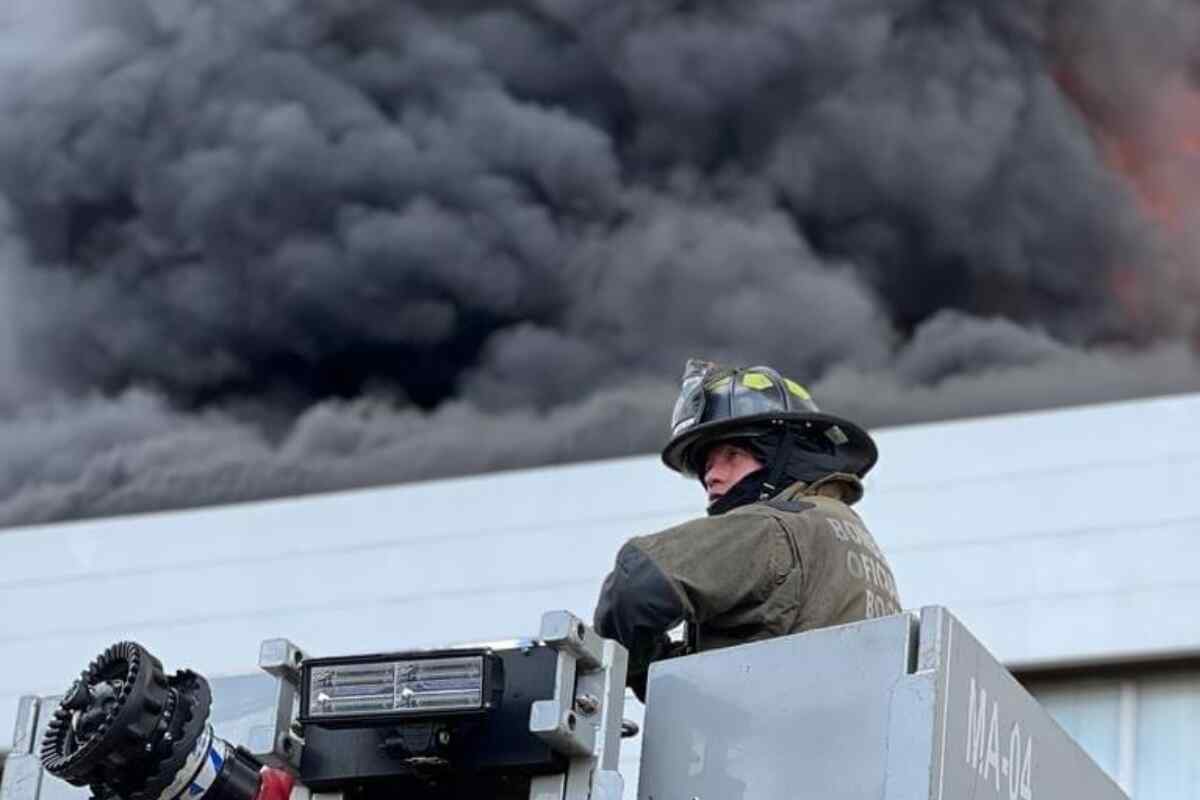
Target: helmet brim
{"points": [[858, 454]]}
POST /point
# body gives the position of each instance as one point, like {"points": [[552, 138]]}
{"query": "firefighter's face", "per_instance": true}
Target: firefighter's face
{"points": [[725, 465]]}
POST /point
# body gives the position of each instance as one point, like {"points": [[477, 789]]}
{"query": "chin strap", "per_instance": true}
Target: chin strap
{"points": [[779, 464]]}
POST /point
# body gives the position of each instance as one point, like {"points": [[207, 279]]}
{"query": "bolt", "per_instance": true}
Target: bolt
{"points": [[587, 704], [443, 738]]}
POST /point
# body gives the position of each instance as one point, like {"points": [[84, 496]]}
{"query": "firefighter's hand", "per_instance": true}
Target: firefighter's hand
{"points": [[656, 649]]}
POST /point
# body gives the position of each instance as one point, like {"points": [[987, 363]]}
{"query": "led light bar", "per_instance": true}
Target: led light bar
{"points": [[378, 688]]}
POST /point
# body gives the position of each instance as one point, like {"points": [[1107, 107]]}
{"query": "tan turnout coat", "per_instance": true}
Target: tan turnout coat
{"points": [[800, 561]]}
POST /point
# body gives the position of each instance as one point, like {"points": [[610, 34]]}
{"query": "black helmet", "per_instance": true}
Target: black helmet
{"points": [[719, 403]]}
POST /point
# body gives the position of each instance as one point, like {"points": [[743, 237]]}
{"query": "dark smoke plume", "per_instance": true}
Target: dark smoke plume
{"points": [[258, 249]]}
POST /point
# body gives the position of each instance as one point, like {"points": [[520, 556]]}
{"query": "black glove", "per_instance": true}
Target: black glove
{"points": [[642, 656]]}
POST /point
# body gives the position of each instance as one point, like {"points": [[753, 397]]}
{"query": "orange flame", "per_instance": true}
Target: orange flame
{"points": [[1158, 155]]}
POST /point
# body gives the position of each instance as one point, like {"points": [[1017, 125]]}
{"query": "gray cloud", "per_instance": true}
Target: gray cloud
{"points": [[1066, 379], [258, 250]]}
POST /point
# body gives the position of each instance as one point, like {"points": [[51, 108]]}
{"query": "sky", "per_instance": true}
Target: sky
{"points": [[256, 250]]}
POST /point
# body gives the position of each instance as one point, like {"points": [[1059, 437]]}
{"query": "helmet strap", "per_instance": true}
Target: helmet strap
{"points": [[779, 465]]}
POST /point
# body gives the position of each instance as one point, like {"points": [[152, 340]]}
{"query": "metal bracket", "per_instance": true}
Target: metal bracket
{"points": [[562, 630], [583, 719], [24, 736], [22, 777], [22, 770], [281, 658], [280, 744]]}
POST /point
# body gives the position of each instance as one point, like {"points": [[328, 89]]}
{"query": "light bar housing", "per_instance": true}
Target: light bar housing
{"points": [[386, 688]]}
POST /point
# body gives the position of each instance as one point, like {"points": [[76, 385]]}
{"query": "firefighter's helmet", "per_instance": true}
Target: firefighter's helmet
{"points": [[718, 403]]}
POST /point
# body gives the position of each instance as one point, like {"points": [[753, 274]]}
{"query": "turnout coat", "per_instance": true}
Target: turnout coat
{"points": [[799, 561]]}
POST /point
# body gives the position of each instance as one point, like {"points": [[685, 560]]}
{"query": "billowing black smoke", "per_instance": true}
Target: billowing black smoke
{"points": [[254, 249]]}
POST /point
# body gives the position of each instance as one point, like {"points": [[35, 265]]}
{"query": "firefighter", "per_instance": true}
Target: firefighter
{"points": [[780, 551]]}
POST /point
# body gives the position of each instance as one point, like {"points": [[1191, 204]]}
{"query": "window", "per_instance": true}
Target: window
{"points": [[1140, 724]]}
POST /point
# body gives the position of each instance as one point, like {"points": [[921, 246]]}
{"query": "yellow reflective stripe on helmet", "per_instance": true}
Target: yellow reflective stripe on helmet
{"points": [[797, 389], [756, 380]]}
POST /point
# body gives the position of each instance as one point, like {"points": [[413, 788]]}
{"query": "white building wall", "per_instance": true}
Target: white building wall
{"points": [[1061, 537]]}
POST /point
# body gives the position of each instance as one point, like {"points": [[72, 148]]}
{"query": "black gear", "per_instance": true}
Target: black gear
{"points": [[107, 715], [124, 728]]}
